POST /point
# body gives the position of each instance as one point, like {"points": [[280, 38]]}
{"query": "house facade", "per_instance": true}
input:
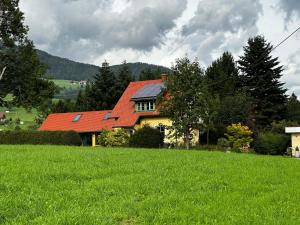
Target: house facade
{"points": [[135, 109]]}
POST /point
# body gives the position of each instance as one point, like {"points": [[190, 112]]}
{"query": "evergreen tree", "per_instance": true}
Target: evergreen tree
{"points": [[103, 94], [124, 78], [260, 77], [183, 107], [20, 69], [81, 102], [222, 76], [149, 74], [293, 108]]}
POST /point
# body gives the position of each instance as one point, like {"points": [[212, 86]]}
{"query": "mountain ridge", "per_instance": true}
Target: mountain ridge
{"points": [[65, 69]]}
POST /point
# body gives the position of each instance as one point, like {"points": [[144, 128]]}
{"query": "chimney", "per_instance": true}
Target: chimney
{"points": [[164, 77]]}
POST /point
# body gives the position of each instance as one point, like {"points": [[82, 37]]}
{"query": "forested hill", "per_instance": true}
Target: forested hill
{"points": [[65, 69]]}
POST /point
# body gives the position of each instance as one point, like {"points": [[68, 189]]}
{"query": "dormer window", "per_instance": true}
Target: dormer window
{"points": [[145, 106], [77, 118]]}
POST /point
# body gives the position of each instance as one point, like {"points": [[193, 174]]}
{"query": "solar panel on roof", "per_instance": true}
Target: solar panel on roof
{"points": [[148, 91]]}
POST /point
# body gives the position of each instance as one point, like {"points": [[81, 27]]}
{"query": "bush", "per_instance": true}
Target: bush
{"points": [[223, 143], [40, 137], [239, 137], [117, 137], [147, 137], [271, 143]]}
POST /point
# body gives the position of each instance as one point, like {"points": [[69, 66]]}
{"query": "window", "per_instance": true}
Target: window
{"points": [[144, 106], [77, 118], [161, 129]]}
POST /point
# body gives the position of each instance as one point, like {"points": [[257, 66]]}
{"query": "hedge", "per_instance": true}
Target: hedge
{"points": [[40, 138], [271, 143]]}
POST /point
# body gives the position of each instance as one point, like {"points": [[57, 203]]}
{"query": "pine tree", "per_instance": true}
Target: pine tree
{"points": [[293, 108], [260, 78], [21, 71], [103, 94], [222, 76], [124, 78], [81, 103]]}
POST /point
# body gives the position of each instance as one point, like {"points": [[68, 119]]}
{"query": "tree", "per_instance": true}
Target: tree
{"points": [[81, 102], [149, 74], [222, 77], [21, 71], [124, 78], [103, 93], [183, 105], [209, 110], [293, 108], [260, 77]]}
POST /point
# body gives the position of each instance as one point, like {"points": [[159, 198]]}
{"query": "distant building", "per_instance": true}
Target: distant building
{"points": [[83, 83], [2, 117], [295, 137]]}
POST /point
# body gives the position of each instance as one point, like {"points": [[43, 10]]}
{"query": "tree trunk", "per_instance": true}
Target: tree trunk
{"points": [[207, 137]]}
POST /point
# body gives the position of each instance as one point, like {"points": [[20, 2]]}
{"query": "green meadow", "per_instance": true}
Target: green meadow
{"points": [[77, 185]]}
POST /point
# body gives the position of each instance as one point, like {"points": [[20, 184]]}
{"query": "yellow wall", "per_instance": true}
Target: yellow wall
{"points": [[296, 140], [156, 121]]}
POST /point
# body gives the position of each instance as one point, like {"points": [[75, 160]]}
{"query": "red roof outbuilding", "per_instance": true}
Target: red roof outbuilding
{"points": [[80, 122]]}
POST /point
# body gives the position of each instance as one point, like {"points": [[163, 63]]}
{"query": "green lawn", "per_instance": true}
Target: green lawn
{"points": [[76, 185]]}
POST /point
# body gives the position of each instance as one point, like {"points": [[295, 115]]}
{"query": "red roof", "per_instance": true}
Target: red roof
{"points": [[88, 122], [125, 109]]}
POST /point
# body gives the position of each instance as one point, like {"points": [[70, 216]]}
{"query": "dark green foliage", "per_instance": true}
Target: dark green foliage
{"points": [[146, 137], [234, 109], [81, 102], [222, 76], [124, 78], [260, 78], [271, 143], [103, 93], [23, 76], [62, 106], [40, 137], [152, 73], [65, 69], [279, 126], [293, 108]]}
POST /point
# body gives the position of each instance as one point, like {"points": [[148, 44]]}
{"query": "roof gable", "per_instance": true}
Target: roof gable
{"points": [[125, 108]]}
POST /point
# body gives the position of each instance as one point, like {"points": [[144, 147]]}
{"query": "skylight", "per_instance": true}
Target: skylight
{"points": [[77, 118]]}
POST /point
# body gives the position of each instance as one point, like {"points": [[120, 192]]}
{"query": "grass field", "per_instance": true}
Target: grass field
{"points": [[76, 185], [24, 115]]}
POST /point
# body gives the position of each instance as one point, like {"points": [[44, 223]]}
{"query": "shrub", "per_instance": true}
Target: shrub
{"points": [[116, 137], [271, 143], [146, 137], [223, 143], [40, 137], [239, 137]]}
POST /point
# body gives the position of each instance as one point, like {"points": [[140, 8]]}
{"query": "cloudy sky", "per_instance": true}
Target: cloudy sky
{"points": [[159, 31]]}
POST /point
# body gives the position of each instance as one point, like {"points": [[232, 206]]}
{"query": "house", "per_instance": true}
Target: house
{"points": [[87, 124], [135, 108], [295, 137], [2, 117]]}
